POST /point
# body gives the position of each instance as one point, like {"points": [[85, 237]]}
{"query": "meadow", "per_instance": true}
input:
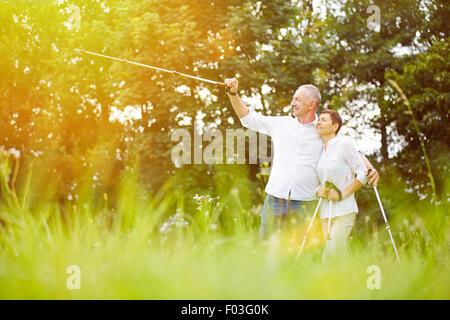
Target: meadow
{"points": [[149, 247]]}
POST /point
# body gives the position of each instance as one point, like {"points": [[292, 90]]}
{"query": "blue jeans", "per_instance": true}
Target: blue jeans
{"points": [[277, 213]]}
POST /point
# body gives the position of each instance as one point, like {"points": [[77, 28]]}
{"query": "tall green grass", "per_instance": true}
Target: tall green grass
{"points": [[149, 247]]}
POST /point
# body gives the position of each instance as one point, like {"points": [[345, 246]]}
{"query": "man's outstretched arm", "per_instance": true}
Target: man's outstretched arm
{"points": [[239, 107]]}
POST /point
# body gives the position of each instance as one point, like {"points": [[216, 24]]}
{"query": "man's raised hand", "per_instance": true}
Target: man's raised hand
{"points": [[232, 86]]}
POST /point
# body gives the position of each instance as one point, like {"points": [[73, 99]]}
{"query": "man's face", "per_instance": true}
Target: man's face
{"points": [[300, 104]]}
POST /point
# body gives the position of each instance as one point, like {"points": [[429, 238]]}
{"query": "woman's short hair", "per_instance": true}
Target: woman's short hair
{"points": [[335, 118]]}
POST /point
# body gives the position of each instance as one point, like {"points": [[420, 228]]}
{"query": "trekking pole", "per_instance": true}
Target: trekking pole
{"points": [[329, 221], [307, 230], [331, 185], [222, 84], [387, 223]]}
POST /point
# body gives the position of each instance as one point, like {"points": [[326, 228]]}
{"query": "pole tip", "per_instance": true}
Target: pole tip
{"points": [[78, 50]]}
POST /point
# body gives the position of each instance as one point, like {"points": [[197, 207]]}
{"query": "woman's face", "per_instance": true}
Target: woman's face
{"points": [[324, 126]]}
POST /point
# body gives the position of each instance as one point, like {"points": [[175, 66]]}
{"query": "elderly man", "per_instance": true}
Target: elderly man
{"points": [[293, 181]]}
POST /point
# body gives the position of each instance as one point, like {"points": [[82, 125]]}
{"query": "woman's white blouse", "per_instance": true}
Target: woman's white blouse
{"points": [[338, 164]]}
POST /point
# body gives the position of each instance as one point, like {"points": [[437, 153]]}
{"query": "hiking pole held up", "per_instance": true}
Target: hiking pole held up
{"points": [[387, 223], [221, 84], [307, 230]]}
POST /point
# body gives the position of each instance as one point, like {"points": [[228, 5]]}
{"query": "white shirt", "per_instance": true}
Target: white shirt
{"points": [[297, 150], [338, 164]]}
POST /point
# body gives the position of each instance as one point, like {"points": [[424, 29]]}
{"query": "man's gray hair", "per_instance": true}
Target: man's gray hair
{"points": [[312, 92]]}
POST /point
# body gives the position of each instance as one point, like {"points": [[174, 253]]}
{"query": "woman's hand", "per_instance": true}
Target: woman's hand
{"points": [[373, 176], [322, 192], [333, 195]]}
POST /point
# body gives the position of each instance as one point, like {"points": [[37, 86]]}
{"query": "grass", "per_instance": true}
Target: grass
{"points": [[147, 247]]}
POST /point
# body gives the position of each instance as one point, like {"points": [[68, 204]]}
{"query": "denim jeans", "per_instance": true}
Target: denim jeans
{"points": [[279, 213]]}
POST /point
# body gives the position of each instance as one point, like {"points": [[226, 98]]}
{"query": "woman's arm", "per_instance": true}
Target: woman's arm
{"points": [[352, 188], [355, 162], [373, 174]]}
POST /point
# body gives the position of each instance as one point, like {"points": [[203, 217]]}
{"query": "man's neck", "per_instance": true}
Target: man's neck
{"points": [[308, 118]]}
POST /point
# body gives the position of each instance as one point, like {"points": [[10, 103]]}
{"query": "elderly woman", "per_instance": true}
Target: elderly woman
{"points": [[341, 173]]}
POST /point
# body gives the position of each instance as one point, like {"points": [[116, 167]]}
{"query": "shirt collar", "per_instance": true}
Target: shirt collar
{"points": [[333, 140], [313, 123]]}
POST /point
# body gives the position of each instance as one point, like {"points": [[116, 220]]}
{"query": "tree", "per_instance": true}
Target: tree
{"points": [[363, 58], [426, 84]]}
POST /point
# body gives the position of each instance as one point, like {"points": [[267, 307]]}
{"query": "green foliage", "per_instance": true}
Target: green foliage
{"points": [[425, 82], [411, 48], [148, 247], [107, 195]]}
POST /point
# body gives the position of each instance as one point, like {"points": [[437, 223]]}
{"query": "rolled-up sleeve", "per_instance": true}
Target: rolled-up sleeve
{"points": [[257, 122], [354, 160]]}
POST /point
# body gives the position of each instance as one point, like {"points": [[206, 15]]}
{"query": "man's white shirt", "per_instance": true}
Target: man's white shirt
{"points": [[297, 150]]}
